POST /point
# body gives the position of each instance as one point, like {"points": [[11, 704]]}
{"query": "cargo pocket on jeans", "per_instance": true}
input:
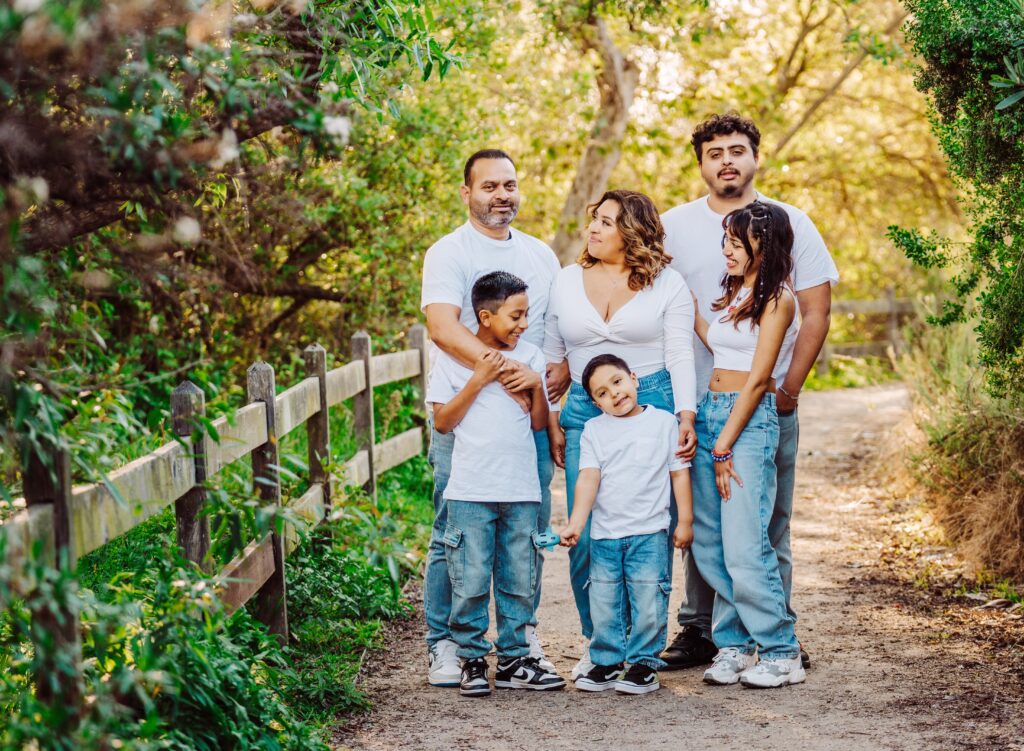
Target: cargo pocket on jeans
{"points": [[455, 555], [665, 587]]}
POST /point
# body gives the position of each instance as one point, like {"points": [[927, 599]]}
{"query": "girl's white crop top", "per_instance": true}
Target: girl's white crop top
{"points": [[733, 346]]}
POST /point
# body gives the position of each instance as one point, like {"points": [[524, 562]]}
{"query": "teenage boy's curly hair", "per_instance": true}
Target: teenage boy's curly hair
{"points": [[724, 125]]}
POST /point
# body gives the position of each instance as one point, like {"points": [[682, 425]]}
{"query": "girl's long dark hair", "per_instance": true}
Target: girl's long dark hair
{"points": [[769, 224]]}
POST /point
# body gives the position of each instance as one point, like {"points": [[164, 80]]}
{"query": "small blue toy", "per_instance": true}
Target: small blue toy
{"points": [[546, 539]]}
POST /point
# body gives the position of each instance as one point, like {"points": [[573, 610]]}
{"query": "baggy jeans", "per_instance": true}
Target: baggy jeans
{"points": [[437, 588], [731, 545]]}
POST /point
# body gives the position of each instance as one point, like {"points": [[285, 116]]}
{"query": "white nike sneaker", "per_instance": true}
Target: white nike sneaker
{"points": [[774, 672], [536, 650], [729, 663], [444, 668]]}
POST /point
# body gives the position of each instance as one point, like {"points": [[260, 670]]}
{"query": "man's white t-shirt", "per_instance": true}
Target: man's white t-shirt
{"points": [[635, 455], [495, 457], [457, 260], [694, 240]]}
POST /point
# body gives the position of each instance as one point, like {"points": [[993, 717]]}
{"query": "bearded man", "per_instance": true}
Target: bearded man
{"points": [[485, 243]]}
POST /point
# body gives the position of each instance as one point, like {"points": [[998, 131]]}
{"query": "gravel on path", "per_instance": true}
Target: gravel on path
{"points": [[867, 652]]}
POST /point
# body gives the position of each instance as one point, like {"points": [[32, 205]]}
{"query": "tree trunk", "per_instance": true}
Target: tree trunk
{"points": [[617, 83]]}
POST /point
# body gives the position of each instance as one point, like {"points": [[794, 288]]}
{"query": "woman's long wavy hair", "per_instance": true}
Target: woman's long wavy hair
{"points": [[643, 237], [769, 224]]}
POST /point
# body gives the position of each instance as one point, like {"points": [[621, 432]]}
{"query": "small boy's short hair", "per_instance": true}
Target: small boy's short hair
{"points": [[492, 290], [597, 362]]}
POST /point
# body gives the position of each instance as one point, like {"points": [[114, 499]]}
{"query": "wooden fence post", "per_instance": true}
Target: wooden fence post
{"points": [[318, 426], [363, 407], [188, 403], [59, 680], [272, 599], [893, 323], [419, 340]]}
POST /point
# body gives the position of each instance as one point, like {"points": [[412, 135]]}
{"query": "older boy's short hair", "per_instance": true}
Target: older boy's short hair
{"points": [[492, 290], [597, 362], [724, 125]]}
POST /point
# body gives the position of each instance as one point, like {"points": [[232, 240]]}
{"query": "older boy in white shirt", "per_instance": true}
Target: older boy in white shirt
{"points": [[727, 153], [493, 492], [628, 470]]}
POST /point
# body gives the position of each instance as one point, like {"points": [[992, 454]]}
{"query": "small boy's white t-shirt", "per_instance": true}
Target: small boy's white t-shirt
{"points": [[494, 458], [635, 455]]}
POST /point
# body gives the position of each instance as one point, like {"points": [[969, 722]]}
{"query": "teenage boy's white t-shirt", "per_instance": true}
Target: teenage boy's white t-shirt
{"points": [[457, 260], [693, 237], [494, 458], [635, 455]]}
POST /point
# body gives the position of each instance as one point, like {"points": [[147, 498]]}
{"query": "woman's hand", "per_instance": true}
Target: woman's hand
{"points": [[687, 439], [723, 472], [558, 379], [556, 442]]}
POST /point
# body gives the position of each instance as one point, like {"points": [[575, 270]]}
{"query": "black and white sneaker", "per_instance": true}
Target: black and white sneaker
{"points": [[639, 679], [600, 678], [474, 678], [526, 672]]}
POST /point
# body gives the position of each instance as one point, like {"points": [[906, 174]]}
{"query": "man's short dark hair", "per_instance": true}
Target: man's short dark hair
{"points": [[467, 171], [597, 362], [724, 125], [492, 290]]}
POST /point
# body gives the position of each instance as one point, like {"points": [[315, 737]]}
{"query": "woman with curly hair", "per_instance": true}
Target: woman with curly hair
{"points": [[619, 298], [752, 330]]}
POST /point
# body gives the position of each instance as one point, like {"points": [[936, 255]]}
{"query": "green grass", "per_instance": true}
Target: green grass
{"points": [[851, 372]]}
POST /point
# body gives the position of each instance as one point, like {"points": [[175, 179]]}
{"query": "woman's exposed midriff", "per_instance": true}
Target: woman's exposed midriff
{"points": [[733, 380]]}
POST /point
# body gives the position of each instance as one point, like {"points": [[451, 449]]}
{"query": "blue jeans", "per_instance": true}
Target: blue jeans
{"points": [[437, 588], [731, 543], [485, 542], [655, 390], [629, 589], [698, 597]]}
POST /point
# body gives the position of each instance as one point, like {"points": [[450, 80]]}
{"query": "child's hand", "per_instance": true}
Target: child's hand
{"points": [[488, 366], [569, 537], [683, 536]]}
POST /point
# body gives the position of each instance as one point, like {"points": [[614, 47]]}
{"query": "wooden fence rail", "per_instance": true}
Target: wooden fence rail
{"points": [[890, 306], [69, 522]]}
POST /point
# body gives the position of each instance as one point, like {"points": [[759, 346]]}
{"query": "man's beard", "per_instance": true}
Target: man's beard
{"points": [[731, 190], [483, 213]]}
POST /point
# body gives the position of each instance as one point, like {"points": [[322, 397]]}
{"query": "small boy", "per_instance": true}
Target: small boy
{"points": [[628, 472], [493, 491]]}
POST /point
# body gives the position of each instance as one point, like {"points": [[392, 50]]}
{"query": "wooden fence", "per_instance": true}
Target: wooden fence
{"points": [[70, 522], [890, 306]]}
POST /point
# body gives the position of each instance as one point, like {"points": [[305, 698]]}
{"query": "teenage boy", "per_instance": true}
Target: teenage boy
{"points": [[485, 243], [726, 147], [493, 492], [628, 468]]}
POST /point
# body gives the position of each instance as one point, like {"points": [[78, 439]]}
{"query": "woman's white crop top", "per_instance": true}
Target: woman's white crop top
{"points": [[733, 346]]}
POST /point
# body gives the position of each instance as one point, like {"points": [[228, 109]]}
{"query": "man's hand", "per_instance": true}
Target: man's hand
{"points": [[784, 403], [683, 536], [558, 379], [687, 438], [516, 376]]}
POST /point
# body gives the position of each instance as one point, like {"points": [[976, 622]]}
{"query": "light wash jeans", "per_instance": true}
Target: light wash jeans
{"points": [[629, 590], [698, 597], [655, 390], [485, 542], [731, 543], [437, 588]]}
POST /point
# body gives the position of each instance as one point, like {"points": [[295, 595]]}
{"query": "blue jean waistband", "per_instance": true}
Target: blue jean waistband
{"points": [[657, 380], [727, 399]]}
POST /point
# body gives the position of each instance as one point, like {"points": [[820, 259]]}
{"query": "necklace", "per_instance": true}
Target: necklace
{"points": [[741, 296]]}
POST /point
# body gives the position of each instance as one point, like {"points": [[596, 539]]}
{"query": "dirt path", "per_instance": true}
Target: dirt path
{"points": [[878, 681]]}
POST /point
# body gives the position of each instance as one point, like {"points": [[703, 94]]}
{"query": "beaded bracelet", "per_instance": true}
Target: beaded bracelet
{"points": [[718, 458]]}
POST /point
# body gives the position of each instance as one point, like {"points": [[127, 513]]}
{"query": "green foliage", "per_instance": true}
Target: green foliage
{"points": [[965, 46]]}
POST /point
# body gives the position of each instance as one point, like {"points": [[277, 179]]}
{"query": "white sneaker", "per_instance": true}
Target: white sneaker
{"points": [[536, 650], [444, 668], [584, 666], [728, 664], [772, 673]]}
